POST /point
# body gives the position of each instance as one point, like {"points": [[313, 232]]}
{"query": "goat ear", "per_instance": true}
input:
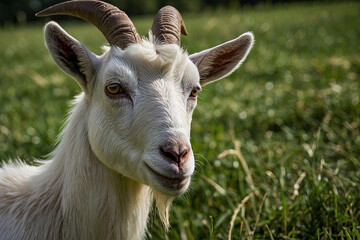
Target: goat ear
{"points": [[71, 56], [220, 61]]}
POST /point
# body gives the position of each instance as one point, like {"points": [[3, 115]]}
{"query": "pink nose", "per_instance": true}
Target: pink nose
{"points": [[176, 152]]}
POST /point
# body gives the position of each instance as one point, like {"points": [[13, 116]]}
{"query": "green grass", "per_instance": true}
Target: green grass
{"points": [[291, 113]]}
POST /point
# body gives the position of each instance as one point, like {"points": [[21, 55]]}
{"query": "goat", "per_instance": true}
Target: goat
{"points": [[126, 143]]}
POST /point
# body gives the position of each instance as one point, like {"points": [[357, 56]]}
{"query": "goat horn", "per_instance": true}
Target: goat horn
{"points": [[168, 25], [116, 26]]}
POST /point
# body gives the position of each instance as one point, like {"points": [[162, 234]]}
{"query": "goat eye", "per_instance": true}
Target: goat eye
{"points": [[194, 92], [115, 90]]}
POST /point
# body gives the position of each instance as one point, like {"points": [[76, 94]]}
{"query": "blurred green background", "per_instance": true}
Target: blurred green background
{"points": [[22, 11], [290, 118]]}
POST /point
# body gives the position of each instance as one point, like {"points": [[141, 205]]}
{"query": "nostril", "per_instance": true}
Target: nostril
{"points": [[169, 154], [177, 153], [184, 153]]}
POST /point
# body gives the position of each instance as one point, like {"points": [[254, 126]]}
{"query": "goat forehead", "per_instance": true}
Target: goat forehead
{"points": [[148, 63]]}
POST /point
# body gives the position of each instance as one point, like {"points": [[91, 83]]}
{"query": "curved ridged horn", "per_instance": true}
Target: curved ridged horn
{"points": [[116, 26], [168, 25]]}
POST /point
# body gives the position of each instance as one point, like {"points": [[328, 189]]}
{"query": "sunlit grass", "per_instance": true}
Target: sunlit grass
{"points": [[292, 111]]}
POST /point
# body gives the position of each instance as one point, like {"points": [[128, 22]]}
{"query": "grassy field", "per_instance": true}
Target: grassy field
{"points": [[277, 143]]}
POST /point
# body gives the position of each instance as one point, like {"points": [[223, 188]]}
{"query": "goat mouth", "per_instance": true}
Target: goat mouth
{"points": [[170, 183]]}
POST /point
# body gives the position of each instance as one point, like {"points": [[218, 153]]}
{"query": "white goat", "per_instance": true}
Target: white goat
{"points": [[126, 143]]}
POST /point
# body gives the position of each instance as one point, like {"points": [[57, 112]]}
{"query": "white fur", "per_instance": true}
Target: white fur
{"points": [[100, 181]]}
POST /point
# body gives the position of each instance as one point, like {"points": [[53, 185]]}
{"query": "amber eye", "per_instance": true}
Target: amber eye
{"points": [[194, 92], [115, 90]]}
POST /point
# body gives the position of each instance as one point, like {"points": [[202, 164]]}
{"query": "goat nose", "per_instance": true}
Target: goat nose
{"points": [[176, 153]]}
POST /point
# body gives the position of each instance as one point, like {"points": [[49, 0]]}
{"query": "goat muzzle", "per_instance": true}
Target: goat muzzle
{"points": [[176, 153]]}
